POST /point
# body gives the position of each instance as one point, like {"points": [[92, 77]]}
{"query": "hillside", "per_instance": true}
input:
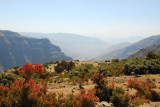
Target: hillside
{"points": [[143, 52], [78, 46], [17, 50], [111, 49], [125, 52]]}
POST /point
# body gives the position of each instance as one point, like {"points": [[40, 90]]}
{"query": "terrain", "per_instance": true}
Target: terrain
{"points": [[117, 82], [143, 52], [58, 82], [85, 48], [16, 50], [125, 52], [78, 46]]}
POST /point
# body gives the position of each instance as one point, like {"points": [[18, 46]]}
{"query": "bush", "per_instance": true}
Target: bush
{"points": [[136, 101], [25, 93], [64, 65], [113, 69], [144, 89], [6, 79], [85, 99], [143, 66], [120, 100], [15, 67], [115, 60], [109, 93], [152, 55]]}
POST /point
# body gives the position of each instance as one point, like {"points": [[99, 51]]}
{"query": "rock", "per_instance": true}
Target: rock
{"points": [[59, 81], [106, 104], [98, 104], [103, 104]]}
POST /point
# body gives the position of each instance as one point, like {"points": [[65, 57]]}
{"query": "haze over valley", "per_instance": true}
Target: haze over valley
{"points": [[80, 53], [20, 48]]}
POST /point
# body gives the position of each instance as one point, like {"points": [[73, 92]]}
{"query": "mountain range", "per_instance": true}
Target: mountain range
{"points": [[143, 52], [127, 51], [77, 46], [17, 50]]}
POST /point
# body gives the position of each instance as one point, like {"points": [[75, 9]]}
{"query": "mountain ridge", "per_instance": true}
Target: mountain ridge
{"points": [[125, 52], [78, 46], [17, 50], [143, 52]]}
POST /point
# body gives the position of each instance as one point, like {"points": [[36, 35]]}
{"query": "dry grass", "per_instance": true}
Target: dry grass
{"points": [[70, 87]]}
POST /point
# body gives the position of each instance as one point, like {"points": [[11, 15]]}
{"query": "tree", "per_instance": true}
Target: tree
{"points": [[70, 65], [59, 68], [115, 60], [64, 65], [152, 55]]}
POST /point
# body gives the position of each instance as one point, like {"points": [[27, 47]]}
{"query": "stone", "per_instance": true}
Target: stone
{"points": [[103, 104]]}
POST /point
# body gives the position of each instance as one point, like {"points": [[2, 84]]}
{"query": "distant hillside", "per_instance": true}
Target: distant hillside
{"points": [[125, 52], [74, 45], [118, 40], [106, 52], [17, 50], [143, 52]]}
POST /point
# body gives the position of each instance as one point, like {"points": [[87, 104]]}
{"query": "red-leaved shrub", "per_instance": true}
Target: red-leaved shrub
{"points": [[144, 89], [26, 93]]}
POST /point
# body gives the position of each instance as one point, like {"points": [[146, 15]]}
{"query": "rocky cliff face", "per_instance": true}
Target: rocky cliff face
{"points": [[16, 50]]}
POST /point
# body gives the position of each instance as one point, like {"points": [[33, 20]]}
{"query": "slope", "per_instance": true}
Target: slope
{"points": [[143, 52], [125, 52], [17, 50], [78, 46]]}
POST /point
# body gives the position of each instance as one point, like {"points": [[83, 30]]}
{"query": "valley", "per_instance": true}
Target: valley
{"points": [[38, 69], [79, 53]]}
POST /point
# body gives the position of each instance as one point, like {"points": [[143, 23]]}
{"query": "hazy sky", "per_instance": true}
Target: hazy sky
{"points": [[102, 18]]}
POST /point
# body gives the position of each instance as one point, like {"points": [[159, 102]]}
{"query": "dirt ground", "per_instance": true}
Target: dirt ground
{"points": [[70, 87], [67, 88]]}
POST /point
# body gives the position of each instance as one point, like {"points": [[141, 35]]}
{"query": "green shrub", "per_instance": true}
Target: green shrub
{"points": [[120, 100], [142, 66], [115, 60]]}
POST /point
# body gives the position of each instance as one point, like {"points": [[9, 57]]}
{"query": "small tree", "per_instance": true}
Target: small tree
{"points": [[115, 60], [70, 65], [64, 66], [59, 68]]}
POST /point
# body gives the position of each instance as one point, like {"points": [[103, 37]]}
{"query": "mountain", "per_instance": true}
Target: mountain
{"points": [[125, 52], [17, 50], [119, 40], [118, 46], [78, 46], [143, 52], [106, 53]]}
